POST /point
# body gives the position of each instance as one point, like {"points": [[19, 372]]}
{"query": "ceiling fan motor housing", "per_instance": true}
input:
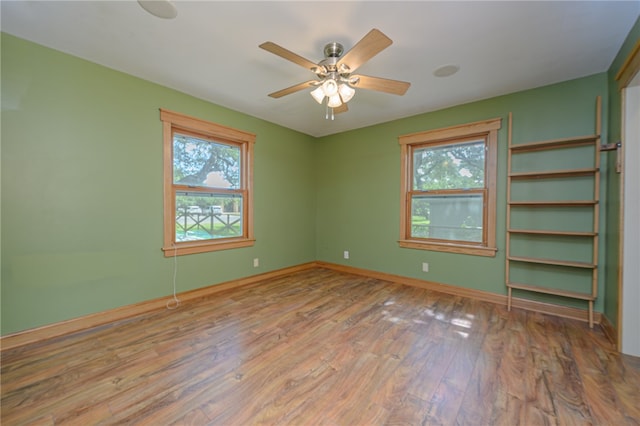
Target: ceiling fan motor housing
{"points": [[329, 65]]}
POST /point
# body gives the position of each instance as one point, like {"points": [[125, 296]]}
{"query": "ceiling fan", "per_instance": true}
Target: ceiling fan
{"points": [[336, 84]]}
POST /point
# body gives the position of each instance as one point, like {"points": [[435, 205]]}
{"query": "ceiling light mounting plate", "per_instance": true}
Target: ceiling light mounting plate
{"points": [[333, 50]]}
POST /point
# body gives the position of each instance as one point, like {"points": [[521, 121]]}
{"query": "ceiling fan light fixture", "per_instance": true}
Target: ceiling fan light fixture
{"points": [[346, 92], [330, 87], [318, 94], [334, 101]]}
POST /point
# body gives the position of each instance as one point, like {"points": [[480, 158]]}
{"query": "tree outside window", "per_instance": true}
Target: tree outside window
{"points": [[208, 198], [448, 191]]}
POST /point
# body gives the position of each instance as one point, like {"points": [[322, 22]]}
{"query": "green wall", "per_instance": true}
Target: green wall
{"points": [[81, 184], [613, 179], [359, 180], [82, 190]]}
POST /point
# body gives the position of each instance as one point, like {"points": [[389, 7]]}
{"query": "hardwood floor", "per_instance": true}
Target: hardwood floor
{"points": [[326, 348]]}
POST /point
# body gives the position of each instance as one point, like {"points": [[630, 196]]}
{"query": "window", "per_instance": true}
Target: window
{"points": [[449, 189], [207, 186]]}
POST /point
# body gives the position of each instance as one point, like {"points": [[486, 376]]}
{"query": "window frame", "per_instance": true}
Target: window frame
{"points": [[173, 122], [487, 130]]}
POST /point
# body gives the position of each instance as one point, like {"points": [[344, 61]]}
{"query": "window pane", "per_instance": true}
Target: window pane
{"points": [[458, 166], [447, 217], [199, 162], [208, 216]]}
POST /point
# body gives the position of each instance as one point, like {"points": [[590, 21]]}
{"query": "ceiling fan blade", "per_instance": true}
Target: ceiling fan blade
{"points": [[288, 55], [342, 108], [292, 89], [368, 47], [395, 87]]}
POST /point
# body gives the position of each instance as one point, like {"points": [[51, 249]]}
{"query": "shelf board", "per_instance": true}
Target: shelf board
{"points": [[556, 292], [552, 232], [548, 174], [571, 264], [554, 143], [560, 203]]}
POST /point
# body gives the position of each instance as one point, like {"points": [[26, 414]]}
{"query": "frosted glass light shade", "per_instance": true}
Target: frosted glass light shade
{"points": [[346, 92], [334, 101], [330, 87], [318, 94]]}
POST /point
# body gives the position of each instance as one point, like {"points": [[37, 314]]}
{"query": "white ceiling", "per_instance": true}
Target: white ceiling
{"points": [[211, 49]]}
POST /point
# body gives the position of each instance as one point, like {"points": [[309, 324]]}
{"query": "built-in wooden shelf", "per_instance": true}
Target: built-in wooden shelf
{"points": [[548, 174], [554, 203], [552, 232], [556, 262], [554, 291], [555, 143], [587, 237]]}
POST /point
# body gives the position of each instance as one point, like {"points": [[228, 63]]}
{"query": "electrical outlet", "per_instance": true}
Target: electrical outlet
{"points": [[425, 267], [346, 254], [256, 262]]}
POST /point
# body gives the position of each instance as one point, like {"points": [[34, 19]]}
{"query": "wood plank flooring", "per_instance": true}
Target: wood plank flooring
{"points": [[321, 347]]}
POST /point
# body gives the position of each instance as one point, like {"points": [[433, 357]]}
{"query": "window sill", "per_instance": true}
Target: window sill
{"points": [[203, 247], [449, 248]]}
